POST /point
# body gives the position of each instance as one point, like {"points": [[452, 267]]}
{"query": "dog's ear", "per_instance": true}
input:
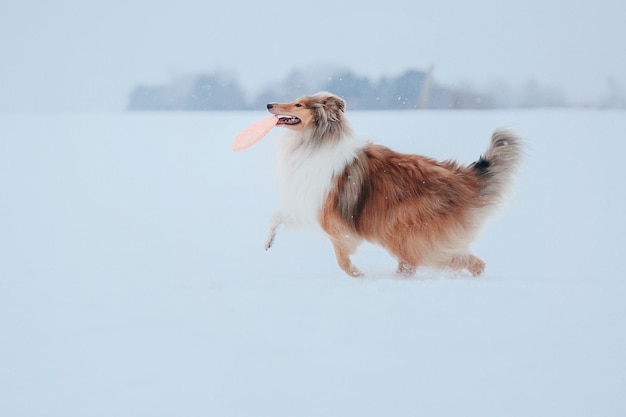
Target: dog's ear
{"points": [[338, 103], [335, 107], [328, 110]]}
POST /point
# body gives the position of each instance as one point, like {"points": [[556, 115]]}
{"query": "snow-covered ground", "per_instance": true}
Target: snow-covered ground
{"points": [[133, 281]]}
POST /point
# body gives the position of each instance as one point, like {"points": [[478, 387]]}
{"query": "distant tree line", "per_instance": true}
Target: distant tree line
{"points": [[410, 90], [203, 92], [219, 91]]}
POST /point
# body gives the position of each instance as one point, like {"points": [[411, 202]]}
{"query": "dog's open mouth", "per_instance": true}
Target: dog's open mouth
{"points": [[288, 120]]}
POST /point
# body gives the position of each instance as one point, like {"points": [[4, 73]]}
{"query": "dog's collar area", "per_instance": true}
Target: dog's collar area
{"points": [[288, 120]]}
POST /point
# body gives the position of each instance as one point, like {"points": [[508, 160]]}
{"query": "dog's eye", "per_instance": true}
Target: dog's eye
{"points": [[298, 105]]}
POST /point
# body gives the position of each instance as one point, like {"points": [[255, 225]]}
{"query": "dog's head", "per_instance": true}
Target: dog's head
{"points": [[320, 112]]}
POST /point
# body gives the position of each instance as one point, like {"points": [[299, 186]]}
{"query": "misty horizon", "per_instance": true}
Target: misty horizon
{"points": [[221, 90]]}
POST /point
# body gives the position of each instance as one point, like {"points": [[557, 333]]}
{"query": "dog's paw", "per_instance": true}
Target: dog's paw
{"points": [[354, 272], [475, 266]]}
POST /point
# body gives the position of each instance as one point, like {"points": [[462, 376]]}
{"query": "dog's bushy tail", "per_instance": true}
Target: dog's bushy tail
{"points": [[497, 167]]}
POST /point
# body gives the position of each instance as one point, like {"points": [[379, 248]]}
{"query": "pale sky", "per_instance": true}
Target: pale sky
{"points": [[80, 55]]}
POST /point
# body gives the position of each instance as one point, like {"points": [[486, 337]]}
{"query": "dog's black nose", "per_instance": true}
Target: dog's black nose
{"points": [[270, 105]]}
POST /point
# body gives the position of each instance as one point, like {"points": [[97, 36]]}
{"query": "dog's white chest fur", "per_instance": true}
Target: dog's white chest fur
{"points": [[306, 174]]}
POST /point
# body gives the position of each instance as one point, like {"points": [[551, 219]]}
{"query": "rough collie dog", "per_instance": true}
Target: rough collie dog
{"points": [[423, 212]]}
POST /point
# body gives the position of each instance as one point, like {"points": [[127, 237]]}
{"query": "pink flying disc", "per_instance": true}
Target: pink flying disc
{"points": [[253, 133]]}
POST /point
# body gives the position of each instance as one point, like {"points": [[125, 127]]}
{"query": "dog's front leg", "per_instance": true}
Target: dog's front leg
{"points": [[343, 249], [277, 220]]}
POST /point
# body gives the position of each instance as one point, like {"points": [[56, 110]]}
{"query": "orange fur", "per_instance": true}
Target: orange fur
{"points": [[423, 212]]}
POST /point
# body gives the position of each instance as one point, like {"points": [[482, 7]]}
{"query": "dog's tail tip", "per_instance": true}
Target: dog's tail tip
{"points": [[499, 164], [505, 143]]}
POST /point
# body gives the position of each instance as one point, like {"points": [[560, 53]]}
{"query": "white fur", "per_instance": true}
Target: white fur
{"points": [[306, 175]]}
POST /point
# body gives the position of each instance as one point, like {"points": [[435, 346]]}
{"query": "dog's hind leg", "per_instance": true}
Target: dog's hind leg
{"points": [[406, 268], [407, 260]]}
